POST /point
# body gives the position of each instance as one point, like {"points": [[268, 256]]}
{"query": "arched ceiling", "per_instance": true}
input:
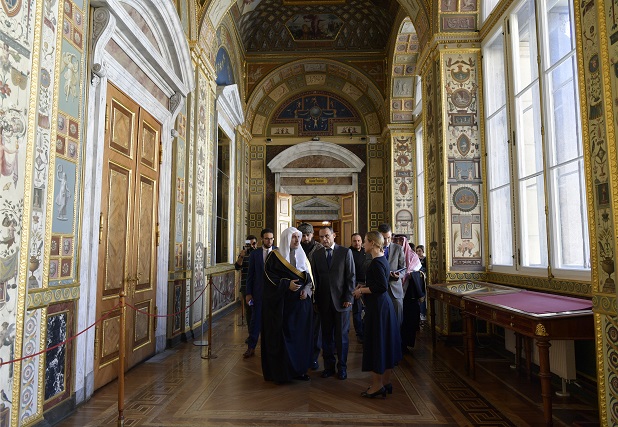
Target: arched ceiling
{"points": [[301, 26], [321, 75]]}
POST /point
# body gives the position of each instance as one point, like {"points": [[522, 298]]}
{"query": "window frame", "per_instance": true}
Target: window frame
{"points": [[551, 248]]}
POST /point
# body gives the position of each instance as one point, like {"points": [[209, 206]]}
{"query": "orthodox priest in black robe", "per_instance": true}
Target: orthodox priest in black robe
{"points": [[287, 311]]}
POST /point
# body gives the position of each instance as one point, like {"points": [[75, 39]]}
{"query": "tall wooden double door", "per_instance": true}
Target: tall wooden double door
{"points": [[128, 234]]}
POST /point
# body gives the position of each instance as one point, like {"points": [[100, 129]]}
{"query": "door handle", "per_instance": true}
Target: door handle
{"points": [[131, 285]]}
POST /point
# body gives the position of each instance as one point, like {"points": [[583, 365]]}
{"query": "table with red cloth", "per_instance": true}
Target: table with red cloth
{"points": [[537, 315]]}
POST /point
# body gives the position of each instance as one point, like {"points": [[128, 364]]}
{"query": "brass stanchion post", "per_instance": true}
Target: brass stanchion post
{"points": [[209, 355], [121, 350]]}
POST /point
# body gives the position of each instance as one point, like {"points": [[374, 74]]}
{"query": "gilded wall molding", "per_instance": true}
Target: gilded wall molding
{"points": [[39, 298], [605, 304], [571, 287]]}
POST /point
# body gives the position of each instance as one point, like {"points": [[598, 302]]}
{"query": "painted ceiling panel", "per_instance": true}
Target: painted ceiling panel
{"points": [[278, 25]]}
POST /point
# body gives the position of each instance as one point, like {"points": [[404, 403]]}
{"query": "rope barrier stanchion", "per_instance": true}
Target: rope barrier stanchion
{"points": [[209, 354], [201, 343], [121, 350]]}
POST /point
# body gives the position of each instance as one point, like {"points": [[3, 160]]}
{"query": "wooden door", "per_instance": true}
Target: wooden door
{"points": [[348, 216], [283, 215], [127, 234]]}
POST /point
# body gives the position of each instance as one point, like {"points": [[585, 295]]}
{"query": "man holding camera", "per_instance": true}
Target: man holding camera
{"points": [[242, 265]]}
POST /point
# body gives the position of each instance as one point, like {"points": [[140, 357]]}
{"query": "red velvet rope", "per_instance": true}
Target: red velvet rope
{"points": [[68, 340], [30, 356]]}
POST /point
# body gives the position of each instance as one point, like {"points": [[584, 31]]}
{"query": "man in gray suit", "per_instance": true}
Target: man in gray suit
{"points": [[397, 260], [334, 279]]}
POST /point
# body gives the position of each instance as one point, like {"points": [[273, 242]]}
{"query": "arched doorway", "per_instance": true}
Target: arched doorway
{"points": [[317, 168]]}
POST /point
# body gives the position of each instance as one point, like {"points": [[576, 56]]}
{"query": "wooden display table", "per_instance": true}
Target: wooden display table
{"points": [[536, 315]]}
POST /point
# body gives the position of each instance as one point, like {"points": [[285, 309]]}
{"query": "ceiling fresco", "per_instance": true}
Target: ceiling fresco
{"points": [[317, 113], [300, 26]]}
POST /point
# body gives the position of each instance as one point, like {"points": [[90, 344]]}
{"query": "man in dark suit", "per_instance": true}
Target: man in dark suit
{"points": [[255, 285], [334, 278], [397, 260]]}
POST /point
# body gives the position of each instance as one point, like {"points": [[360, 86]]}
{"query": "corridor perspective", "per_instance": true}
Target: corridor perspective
{"points": [[179, 388], [149, 149]]}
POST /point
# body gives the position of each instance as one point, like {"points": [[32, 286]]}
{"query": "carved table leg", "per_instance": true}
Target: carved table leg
{"points": [[545, 375], [432, 315], [470, 335]]}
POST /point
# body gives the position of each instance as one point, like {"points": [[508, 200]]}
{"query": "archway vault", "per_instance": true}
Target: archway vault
{"points": [[332, 76]]}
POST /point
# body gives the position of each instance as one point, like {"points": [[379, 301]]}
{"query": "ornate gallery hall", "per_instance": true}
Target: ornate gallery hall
{"points": [[143, 143]]}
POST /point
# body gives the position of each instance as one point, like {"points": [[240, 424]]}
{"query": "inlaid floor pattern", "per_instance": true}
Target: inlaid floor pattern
{"points": [[180, 388]]}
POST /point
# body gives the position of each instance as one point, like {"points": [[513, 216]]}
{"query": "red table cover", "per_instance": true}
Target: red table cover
{"points": [[536, 302]]}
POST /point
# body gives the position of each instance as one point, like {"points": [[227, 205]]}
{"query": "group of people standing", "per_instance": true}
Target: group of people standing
{"points": [[301, 295]]}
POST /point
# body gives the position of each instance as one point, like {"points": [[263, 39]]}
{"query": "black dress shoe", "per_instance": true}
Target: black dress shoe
{"points": [[381, 392], [327, 373], [342, 374], [303, 377], [315, 366]]}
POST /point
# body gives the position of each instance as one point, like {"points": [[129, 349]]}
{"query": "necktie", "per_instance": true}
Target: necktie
{"points": [[386, 252], [329, 256], [293, 257]]}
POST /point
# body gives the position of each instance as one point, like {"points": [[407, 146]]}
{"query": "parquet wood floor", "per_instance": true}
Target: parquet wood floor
{"points": [[179, 388]]}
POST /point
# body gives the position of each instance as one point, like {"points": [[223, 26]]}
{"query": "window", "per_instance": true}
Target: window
{"points": [[498, 169], [488, 7], [534, 144], [223, 199], [420, 188]]}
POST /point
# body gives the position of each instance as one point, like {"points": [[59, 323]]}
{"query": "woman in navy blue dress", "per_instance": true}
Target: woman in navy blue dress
{"points": [[381, 341]]}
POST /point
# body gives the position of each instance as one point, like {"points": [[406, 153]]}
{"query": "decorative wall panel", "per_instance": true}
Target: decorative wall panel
{"points": [[257, 189], [378, 185], [403, 73], [596, 50], [404, 184], [460, 112], [201, 253]]}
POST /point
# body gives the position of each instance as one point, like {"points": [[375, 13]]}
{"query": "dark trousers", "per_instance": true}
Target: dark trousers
{"points": [[317, 335], [335, 330], [256, 324], [357, 317]]}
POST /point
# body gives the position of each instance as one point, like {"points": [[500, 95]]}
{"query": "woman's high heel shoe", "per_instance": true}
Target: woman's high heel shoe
{"points": [[389, 388], [382, 392]]}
